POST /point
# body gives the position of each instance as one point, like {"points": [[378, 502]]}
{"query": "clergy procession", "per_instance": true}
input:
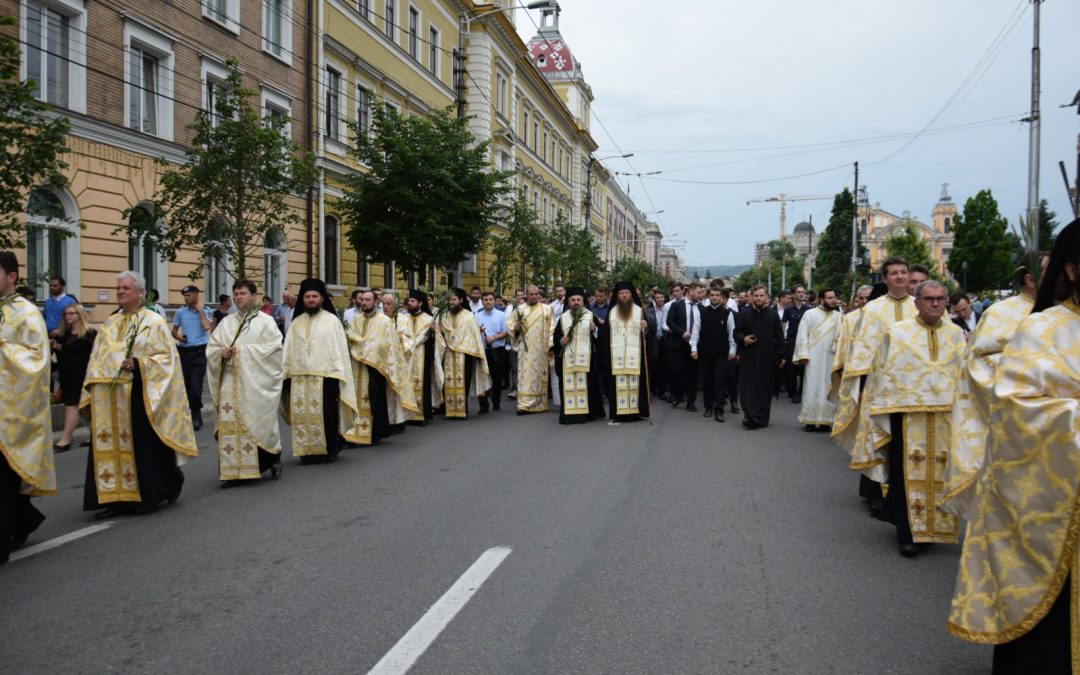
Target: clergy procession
{"points": [[957, 434]]}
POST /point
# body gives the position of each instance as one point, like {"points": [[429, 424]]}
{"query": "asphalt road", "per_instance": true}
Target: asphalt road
{"points": [[685, 546]]}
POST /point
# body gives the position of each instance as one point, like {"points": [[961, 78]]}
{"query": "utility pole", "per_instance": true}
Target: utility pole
{"points": [[810, 257], [1033, 137], [855, 232]]}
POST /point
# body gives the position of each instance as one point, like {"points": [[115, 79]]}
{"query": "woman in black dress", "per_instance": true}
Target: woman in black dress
{"points": [[73, 352]]}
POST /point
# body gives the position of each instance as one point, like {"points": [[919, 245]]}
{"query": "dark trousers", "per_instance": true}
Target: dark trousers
{"points": [[715, 378], [733, 382], [18, 517], [793, 376], [677, 365], [497, 358], [896, 499], [193, 365], [1043, 649]]}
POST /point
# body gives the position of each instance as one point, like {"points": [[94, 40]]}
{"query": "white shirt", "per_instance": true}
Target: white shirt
{"points": [[696, 333], [349, 313], [733, 305], [557, 308], [477, 306], [662, 323]]}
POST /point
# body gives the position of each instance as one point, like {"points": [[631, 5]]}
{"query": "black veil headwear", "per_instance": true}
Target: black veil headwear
{"points": [[312, 284], [879, 289], [625, 285], [422, 298], [1066, 248], [575, 290]]}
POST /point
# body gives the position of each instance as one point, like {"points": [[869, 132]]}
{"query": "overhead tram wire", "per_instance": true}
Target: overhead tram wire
{"points": [[748, 182]]}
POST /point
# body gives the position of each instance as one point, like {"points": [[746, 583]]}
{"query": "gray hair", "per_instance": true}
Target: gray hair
{"points": [[929, 283], [864, 287], [136, 278]]}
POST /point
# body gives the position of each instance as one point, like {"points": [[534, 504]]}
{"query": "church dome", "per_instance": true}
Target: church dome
{"points": [[803, 228]]}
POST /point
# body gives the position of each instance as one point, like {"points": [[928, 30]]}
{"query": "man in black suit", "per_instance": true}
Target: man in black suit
{"points": [[791, 317], [682, 318], [713, 346], [963, 313]]}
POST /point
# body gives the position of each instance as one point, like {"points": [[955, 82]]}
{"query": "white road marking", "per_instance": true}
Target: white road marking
{"points": [[60, 541], [414, 643]]}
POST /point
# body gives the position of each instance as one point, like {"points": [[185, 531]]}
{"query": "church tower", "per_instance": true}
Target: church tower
{"points": [[944, 212]]}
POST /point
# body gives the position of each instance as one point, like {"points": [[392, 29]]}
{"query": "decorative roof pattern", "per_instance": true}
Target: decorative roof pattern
{"points": [[552, 56]]}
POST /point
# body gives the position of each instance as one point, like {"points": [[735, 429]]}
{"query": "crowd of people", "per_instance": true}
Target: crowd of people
{"points": [[949, 416]]}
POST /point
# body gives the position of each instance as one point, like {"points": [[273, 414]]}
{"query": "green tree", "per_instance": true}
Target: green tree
{"points": [[520, 255], [638, 272], [573, 255], [832, 265], [1048, 224], [908, 243], [33, 144], [774, 274], [982, 255], [233, 192], [429, 196]]}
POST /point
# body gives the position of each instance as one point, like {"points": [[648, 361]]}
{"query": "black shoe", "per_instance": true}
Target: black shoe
{"points": [[810, 427], [708, 411], [749, 425], [172, 500], [797, 400], [196, 421], [495, 406], [875, 506], [107, 512], [909, 550], [275, 469], [675, 402], [735, 409], [719, 416], [57, 448], [690, 407], [226, 484]]}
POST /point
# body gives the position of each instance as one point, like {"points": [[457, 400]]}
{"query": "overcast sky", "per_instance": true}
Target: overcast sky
{"points": [[727, 76]]}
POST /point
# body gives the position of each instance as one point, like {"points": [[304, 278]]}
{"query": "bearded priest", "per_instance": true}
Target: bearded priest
{"points": [[459, 353], [384, 386], [244, 366], [414, 328], [623, 357], [26, 458], [319, 394], [815, 347], [579, 388], [140, 421]]}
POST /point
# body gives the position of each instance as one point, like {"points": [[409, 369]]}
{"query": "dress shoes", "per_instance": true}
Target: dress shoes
{"points": [[690, 407], [749, 425], [719, 417], [107, 512], [275, 469], [196, 421], [909, 550], [57, 448], [708, 411], [810, 427], [495, 406]]}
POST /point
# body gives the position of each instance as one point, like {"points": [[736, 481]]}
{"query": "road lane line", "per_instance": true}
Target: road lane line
{"points": [[59, 541], [414, 643]]}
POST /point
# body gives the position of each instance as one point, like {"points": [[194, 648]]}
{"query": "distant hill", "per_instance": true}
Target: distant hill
{"points": [[710, 271]]}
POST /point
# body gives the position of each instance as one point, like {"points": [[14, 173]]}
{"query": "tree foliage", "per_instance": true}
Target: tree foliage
{"points": [[33, 143], [638, 272], [573, 255], [429, 196], [910, 244], [783, 269], [981, 243], [520, 255], [232, 194], [832, 264]]}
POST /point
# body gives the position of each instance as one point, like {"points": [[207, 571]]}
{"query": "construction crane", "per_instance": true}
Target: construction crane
{"points": [[783, 199]]}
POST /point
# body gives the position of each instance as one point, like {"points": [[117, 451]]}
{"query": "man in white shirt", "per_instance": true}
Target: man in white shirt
{"points": [[475, 301], [558, 304], [353, 308]]}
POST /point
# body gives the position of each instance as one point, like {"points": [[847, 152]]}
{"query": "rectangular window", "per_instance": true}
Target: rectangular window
{"points": [[543, 148], [225, 12], [388, 275], [333, 103], [363, 109], [214, 91], [525, 129], [388, 16], [217, 9], [414, 33], [433, 51], [536, 135], [277, 31], [47, 53], [330, 241], [142, 91], [364, 7]]}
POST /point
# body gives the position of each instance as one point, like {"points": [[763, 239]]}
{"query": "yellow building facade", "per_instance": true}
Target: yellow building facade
{"points": [[878, 225]]}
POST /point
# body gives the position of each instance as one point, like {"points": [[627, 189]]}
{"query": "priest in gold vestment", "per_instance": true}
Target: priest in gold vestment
{"points": [[815, 347], [140, 421], [243, 364], [624, 361], [26, 458], [851, 426], [319, 394], [579, 386], [382, 376], [461, 365], [971, 409], [415, 329], [530, 326], [909, 396], [848, 330], [1018, 586]]}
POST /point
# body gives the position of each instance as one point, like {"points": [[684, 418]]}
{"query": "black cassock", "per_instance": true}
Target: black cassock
{"points": [[758, 362], [596, 403]]}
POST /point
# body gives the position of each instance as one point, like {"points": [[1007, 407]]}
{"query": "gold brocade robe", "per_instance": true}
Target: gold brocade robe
{"points": [[971, 409], [576, 362], [1022, 541], [246, 389], [108, 393], [374, 343], [626, 362], [459, 336], [815, 345], [26, 441], [916, 372], [532, 345], [845, 392], [415, 331], [315, 349], [850, 423]]}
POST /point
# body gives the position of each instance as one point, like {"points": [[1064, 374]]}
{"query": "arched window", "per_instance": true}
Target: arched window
{"points": [[862, 225], [275, 262], [52, 242], [948, 225], [331, 250], [142, 257]]}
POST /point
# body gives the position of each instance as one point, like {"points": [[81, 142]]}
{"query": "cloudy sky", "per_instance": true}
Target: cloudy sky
{"points": [[721, 91]]}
